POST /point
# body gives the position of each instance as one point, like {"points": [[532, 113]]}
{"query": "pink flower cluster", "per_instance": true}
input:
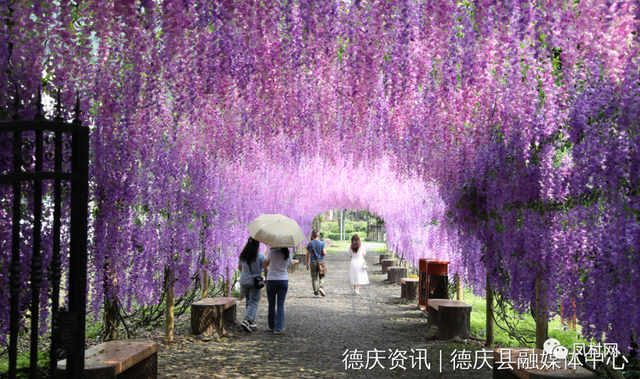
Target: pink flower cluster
{"points": [[500, 135]]}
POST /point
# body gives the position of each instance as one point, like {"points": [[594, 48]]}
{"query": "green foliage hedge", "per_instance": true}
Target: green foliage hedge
{"points": [[331, 227]]}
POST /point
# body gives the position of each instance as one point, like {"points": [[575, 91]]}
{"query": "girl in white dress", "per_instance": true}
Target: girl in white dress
{"points": [[358, 273]]}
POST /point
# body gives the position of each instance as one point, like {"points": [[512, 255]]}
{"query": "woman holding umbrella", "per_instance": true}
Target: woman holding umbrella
{"points": [[280, 233], [250, 265]]}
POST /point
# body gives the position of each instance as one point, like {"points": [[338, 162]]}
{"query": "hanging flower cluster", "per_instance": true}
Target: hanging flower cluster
{"points": [[500, 135]]}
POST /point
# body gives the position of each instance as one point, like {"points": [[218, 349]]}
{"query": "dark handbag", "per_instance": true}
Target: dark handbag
{"points": [[258, 281]]}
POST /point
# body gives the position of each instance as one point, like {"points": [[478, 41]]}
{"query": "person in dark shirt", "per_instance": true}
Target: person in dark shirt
{"points": [[315, 253]]}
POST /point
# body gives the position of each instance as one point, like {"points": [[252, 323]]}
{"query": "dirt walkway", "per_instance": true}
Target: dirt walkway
{"points": [[335, 336]]}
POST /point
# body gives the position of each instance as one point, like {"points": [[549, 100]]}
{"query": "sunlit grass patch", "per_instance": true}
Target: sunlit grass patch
{"points": [[382, 248], [523, 323], [339, 246]]}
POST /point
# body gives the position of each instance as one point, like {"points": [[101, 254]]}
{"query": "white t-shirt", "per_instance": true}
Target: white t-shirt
{"points": [[277, 265]]}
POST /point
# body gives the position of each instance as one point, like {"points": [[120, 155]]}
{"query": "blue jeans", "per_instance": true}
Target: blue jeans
{"points": [[276, 289], [252, 294]]}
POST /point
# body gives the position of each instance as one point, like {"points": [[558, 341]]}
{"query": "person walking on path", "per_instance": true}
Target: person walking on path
{"points": [[315, 254], [250, 264], [278, 259], [358, 273]]}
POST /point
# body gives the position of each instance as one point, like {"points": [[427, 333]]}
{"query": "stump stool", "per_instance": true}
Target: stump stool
{"points": [[386, 263], [118, 359], [521, 362], [211, 314], [293, 267], [383, 256], [328, 242], [394, 274], [409, 288], [453, 318]]}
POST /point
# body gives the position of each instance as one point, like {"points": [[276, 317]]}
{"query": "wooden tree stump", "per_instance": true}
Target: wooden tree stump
{"points": [[386, 263], [394, 274], [383, 256], [409, 289], [210, 315], [128, 358], [452, 317], [293, 267]]}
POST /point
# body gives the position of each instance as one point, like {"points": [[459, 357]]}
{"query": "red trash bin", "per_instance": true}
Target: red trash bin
{"points": [[433, 281]]}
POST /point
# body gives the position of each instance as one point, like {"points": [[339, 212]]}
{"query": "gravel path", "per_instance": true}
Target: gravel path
{"points": [[318, 332]]}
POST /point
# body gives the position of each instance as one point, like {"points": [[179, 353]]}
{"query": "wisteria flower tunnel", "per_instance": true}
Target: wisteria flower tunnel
{"points": [[500, 135]]}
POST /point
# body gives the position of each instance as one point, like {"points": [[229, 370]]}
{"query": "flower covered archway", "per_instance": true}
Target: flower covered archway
{"points": [[502, 135]]}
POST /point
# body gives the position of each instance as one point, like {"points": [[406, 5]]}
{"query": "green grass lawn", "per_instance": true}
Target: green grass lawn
{"points": [[344, 245], [524, 324], [382, 248]]}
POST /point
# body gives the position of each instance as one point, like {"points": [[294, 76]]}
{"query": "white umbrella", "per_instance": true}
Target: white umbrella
{"points": [[276, 230]]}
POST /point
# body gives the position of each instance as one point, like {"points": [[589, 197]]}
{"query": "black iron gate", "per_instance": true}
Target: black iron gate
{"points": [[57, 154]]}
